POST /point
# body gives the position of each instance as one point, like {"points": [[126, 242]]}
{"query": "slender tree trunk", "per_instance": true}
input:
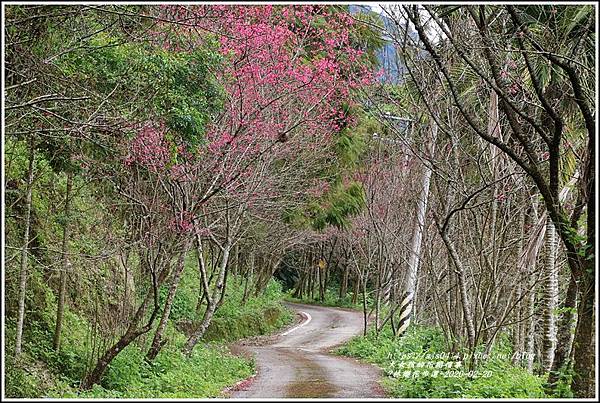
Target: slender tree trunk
{"points": [[236, 259], [364, 304], [530, 324], [387, 282], [203, 294], [321, 283], [583, 344], [311, 287], [269, 271], [65, 266], [96, 375], [344, 287], [298, 292], [157, 342], [393, 326], [564, 338], [356, 290], [249, 273], [377, 301], [462, 283], [222, 296], [417, 238], [212, 304], [130, 335], [518, 326], [24, 249], [550, 299]]}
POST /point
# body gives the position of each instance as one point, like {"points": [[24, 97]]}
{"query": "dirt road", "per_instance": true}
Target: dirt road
{"points": [[296, 364]]}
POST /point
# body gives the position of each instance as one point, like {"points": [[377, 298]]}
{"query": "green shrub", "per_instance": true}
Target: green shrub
{"points": [[498, 378], [563, 386], [171, 375], [332, 298], [44, 372], [19, 383]]}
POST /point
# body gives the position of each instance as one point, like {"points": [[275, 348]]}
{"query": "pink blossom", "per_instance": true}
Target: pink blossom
{"points": [[149, 148]]}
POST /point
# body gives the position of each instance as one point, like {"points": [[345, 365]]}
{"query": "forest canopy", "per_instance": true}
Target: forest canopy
{"points": [[172, 173]]}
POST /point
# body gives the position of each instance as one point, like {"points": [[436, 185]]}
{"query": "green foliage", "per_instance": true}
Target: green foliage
{"points": [[498, 378], [43, 372], [184, 302], [20, 382], [345, 197], [367, 35], [338, 206], [563, 386], [42, 369], [350, 143], [209, 369], [180, 87], [260, 314], [332, 298]]}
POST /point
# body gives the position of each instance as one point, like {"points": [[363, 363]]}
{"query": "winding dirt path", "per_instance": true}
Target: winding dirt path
{"points": [[297, 363]]}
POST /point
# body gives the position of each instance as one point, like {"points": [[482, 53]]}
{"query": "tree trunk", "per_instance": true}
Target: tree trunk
{"points": [[462, 283], [222, 296], [202, 277], [583, 344], [236, 260], [530, 328], [212, 304], [364, 304], [24, 249], [386, 291], [417, 238], [157, 342], [321, 271], [355, 291], [96, 375], [550, 299], [268, 272], [517, 328], [311, 286], [377, 301], [130, 335], [65, 266], [344, 287], [249, 273], [564, 339]]}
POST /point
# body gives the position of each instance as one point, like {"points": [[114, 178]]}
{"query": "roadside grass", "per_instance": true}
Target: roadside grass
{"points": [[43, 372], [498, 377], [261, 314], [331, 299]]}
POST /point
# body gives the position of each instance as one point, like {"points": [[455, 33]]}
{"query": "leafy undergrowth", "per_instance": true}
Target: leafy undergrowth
{"points": [[42, 372], [332, 299], [496, 376], [260, 314], [171, 375]]}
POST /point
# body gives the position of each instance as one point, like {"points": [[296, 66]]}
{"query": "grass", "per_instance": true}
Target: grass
{"points": [[496, 377], [261, 314], [332, 299], [171, 375], [42, 372]]}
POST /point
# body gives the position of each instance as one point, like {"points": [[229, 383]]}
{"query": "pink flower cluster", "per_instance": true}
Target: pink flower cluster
{"points": [[182, 222], [288, 73], [149, 148], [283, 73]]}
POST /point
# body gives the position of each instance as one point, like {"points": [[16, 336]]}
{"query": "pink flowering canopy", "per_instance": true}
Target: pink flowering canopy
{"points": [[286, 70], [288, 74]]}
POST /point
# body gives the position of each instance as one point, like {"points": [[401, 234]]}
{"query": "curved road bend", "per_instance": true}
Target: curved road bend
{"points": [[297, 363]]}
